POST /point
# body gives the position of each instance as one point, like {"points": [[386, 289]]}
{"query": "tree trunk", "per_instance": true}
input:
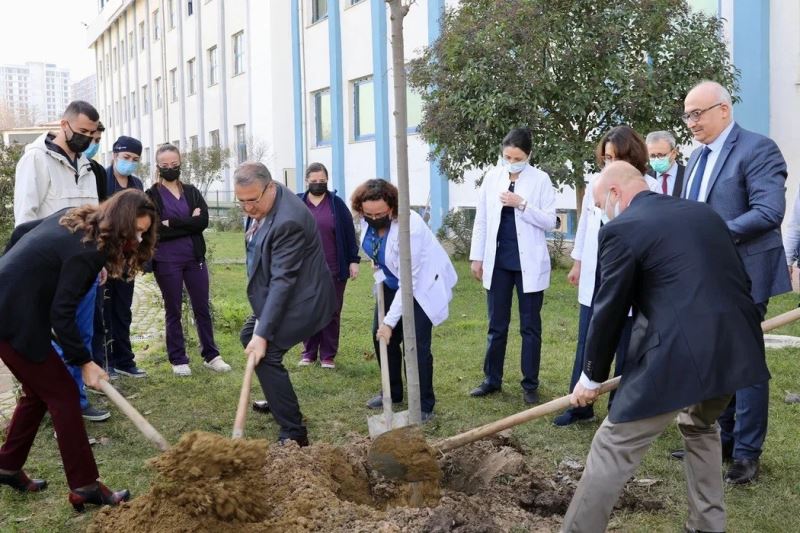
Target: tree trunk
{"points": [[580, 191], [397, 13]]}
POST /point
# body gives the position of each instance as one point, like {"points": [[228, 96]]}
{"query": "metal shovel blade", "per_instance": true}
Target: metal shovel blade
{"points": [[379, 424]]}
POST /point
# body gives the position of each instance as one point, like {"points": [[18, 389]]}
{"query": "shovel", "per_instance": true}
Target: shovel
{"points": [[379, 424], [244, 399], [138, 420]]}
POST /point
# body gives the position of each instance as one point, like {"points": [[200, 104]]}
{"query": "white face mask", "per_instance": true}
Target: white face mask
{"points": [[604, 214], [139, 236]]}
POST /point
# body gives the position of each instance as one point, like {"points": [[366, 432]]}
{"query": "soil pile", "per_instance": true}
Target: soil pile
{"points": [[211, 483]]}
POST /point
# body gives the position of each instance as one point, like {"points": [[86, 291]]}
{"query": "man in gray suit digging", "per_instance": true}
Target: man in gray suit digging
{"points": [[288, 285]]}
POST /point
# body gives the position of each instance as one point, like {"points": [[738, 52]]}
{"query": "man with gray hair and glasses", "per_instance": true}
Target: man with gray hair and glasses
{"points": [[663, 153], [288, 285]]}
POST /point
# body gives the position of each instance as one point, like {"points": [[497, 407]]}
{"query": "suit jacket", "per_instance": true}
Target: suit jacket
{"points": [[677, 190], [290, 290], [747, 188], [44, 275], [697, 334]]}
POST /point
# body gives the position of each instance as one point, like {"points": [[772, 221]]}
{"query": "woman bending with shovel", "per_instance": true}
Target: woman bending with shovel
{"points": [[43, 277], [433, 278]]}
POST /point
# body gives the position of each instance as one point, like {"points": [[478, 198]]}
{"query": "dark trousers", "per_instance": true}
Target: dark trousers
{"points": [[584, 319], [326, 340], [47, 386], [424, 332], [743, 424], [117, 315], [530, 327], [171, 278], [277, 387]]}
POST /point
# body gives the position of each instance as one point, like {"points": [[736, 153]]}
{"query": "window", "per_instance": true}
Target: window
{"points": [[99, 71], [114, 56], [322, 117], [157, 89], [238, 53], [146, 159], [145, 101], [189, 8], [122, 55], [241, 143], [171, 14], [363, 110], [156, 26], [193, 142], [173, 85], [354, 2], [176, 143], [125, 108], [413, 109], [108, 65], [190, 75], [142, 36], [133, 104], [319, 10], [118, 110], [212, 66], [213, 138], [131, 44]]}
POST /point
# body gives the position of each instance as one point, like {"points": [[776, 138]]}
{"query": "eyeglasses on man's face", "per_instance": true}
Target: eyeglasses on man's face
{"points": [[253, 201], [695, 115]]}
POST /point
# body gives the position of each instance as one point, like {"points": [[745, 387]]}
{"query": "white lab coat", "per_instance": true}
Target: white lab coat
{"points": [[432, 274], [539, 216], [586, 240]]}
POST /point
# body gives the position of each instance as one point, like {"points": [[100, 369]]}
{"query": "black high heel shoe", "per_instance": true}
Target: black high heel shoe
{"points": [[100, 495], [22, 483]]}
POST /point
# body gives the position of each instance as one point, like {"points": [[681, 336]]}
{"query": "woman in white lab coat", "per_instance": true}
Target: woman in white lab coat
{"points": [[515, 208], [433, 278], [621, 143]]}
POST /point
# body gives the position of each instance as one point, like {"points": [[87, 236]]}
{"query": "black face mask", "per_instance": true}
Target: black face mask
{"points": [[317, 189], [170, 174], [379, 223], [78, 142]]}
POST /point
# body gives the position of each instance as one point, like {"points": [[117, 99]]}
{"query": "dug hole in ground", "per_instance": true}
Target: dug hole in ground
{"points": [[210, 483]]}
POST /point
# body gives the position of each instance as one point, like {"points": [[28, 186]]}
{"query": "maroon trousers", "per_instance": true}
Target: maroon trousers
{"points": [[47, 386]]}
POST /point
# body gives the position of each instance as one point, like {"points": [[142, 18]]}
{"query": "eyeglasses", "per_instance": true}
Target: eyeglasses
{"points": [[375, 217], [695, 115], [244, 203]]}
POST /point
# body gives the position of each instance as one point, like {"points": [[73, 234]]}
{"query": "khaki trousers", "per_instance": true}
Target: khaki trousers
{"points": [[617, 450]]}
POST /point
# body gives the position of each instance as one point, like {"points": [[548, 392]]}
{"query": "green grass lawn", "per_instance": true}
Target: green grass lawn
{"points": [[333, 402]]}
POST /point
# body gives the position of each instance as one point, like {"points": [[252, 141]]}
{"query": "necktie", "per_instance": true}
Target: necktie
{"points": [[254, 225], [664, 183], [698, 175]]}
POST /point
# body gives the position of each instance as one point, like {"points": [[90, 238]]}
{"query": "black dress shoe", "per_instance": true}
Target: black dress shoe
{"points": [[261, 406], [301, 441], [22, 483], [376, 402], [99, 495], [531, 396], [484, 389], [742, 471]]}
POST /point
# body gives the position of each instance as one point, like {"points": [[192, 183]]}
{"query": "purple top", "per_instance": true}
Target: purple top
{"points": [[176, 250], [326, 225]]}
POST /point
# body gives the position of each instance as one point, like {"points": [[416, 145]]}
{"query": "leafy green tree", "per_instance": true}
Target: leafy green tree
{"points": [[9, 155], [204, 166], [568, 69]]}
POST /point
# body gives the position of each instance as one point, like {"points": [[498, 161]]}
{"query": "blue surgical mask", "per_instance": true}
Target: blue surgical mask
{"points": [[92, 150], [660, 164], [125, 167], [514, 168]]}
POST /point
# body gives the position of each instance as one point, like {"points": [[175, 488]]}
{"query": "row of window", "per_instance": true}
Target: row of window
{"points": [[238, 49], [362, 112], [319, 9]]}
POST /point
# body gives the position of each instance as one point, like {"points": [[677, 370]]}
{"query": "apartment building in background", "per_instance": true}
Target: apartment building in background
{"points": [[38, 91], [85, 89], [311, 80]]}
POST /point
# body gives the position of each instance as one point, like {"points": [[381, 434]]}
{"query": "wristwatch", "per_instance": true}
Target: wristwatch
{"points": [[522, 205]]}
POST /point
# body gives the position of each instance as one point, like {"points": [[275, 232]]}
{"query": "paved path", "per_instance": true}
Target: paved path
{"points": [[148, 323]]}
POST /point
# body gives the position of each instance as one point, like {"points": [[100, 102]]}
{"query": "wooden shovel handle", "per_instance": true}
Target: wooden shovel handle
{"points": [[553, 406], [138, 420], [780, 320], [244, 399]]}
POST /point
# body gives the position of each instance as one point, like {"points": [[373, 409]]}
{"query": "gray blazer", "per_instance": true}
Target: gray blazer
{"points": [[747, 189], [290, 290]]}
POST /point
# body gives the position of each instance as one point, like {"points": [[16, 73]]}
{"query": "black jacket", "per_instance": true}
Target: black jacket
{"points": [[44, 275], [100, 177], [184, 227], [697, 333]]}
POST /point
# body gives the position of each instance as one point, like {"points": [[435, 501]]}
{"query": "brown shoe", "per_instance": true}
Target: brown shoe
{"points": [[99, 495], [22, 482]]}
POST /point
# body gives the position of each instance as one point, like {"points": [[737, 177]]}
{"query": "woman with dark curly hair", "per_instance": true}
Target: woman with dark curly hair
{"points": [[43, 277]]}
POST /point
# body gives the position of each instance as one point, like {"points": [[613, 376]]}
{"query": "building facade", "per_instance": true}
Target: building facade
{"points": [[85, 89], [38, 92], [311, 80]]}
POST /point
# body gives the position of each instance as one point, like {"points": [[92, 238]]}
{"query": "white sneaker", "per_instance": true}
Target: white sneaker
{"points": [[217, 365], [181, 370]]}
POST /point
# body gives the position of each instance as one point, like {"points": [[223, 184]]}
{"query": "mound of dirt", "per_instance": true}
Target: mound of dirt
{"points": [[211, 483]]}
